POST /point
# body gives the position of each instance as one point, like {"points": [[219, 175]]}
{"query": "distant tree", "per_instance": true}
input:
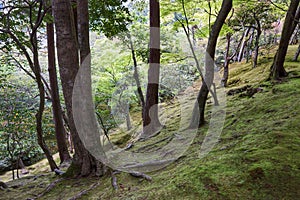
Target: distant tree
{"points": [[257, 16], [227, 59], [198, 118], [290, 22]]}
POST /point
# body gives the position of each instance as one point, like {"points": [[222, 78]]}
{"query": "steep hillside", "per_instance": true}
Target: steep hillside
{"points": [[256, 157]]}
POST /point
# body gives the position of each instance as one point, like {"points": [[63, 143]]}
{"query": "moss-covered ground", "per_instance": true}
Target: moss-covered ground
{"points": [[256, 157]]}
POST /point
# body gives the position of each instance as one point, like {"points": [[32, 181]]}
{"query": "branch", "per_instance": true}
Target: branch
{"points": [[209, 12], [21, 46], [185, 15], [25, 70], [280, 8]]}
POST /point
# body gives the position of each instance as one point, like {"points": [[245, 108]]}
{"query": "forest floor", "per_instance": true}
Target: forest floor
{"points": [[256, 157]]}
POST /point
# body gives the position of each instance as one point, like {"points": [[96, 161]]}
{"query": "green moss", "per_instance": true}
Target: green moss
{"points": [[72, 171], [257, 156]]}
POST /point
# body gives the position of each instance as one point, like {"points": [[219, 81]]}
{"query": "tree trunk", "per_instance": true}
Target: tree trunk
{"points": [[151, 123], [60, 132], [256, 48], [85, 59], [290, 22], [227, 61], [248, 50], [68, 60], [198, 117], [39, 114], [242, 49], [294, 38], [297, 54], [256, 45], [136, 75], [127, 115]]}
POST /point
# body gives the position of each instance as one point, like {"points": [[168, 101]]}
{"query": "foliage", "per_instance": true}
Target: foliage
{"points": [[255, 158], [18, 137], [109, 17]]}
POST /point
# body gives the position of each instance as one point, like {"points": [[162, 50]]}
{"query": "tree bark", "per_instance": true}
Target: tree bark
{"points": [[151, 123], [297, 54], [60, 132], [227, 61], [248, 49], [242, 47], [199, 110], [39, 114], [256, 47], [136, 75], [290, 22], [68, 60]]}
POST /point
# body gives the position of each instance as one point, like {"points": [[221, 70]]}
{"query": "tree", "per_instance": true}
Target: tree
{"points": [[199, 110], [151, 123], [68, 61], [9, 27], [60, 132], [227, 59], [290, 22], [258, 16]]}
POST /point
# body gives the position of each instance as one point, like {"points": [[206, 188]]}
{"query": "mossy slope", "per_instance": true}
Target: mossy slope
{"points": [[257, 156]]}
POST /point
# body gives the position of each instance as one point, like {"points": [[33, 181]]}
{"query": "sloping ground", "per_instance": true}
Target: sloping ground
{"points": [[257, 156]]}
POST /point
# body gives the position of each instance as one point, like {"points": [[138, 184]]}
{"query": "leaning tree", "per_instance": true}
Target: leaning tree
{"points": [[198, 118], [290, 22]]}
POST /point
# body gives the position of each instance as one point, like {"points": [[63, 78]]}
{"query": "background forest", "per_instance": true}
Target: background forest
{"points": [[205, 92]]}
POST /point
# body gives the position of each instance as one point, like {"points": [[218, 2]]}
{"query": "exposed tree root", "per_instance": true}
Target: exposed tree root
{"points": [[114, 180], [80, 194], [141, 175], [49, 187], [3, 185]]}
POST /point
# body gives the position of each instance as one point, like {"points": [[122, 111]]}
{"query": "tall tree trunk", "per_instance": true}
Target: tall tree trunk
{"points": [[248, 50], [290, 22], [242, 48], [198, 117], [151, 123], [136, 75], [127, 115], [90, 163], [227, 61], [256, 47], [60, 132], [68, 60], [294, 37], [39, 114], [297, 54]]}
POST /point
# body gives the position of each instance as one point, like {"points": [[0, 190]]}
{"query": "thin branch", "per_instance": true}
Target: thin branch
{"points": [[21, 46], [185, 16], [280, 8], [21, 67], [209, 13]]}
